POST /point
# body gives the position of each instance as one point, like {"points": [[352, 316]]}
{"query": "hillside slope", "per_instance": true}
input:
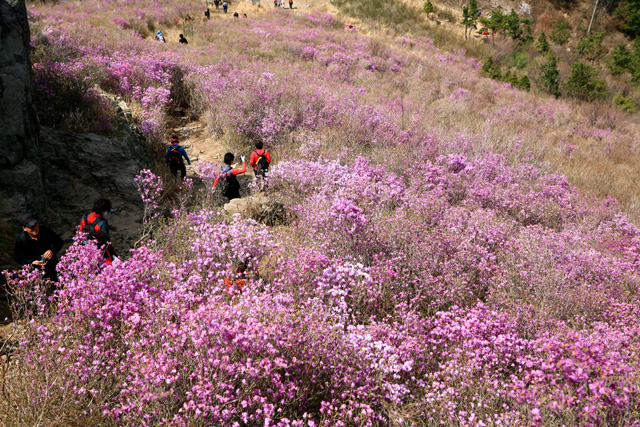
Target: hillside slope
{"points": [[422, 260]]}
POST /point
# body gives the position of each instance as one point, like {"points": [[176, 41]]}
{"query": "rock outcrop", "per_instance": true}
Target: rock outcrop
{"points": [[77, 169], [20, 180]]}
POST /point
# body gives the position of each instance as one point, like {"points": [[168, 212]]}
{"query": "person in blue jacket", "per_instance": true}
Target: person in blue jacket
{"points": [[174, 158]]}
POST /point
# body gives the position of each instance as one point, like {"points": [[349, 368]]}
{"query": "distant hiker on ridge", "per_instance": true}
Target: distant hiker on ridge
{"points": [[183, 40], [160, 37], [217, 3], [225, 6], [37, 246], [207, 13], [97, 228], [173, 159], [290, 4], [227, 178]]}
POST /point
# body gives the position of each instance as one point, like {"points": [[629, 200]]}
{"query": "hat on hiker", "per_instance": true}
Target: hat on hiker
{"points": [[28, 220], [159, 32]]}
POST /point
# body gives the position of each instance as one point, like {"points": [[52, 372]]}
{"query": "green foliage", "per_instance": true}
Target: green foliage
{"points": [[550, 77], [583, 83], [560, 33], [467, 21], [512, 25], [542, 45], [473, 10], [492, 69], [527, 36], [624, 102], [620, 60], [590, 48], [519, 59], [523, 83], [495, 22], [511, 78], [428, 7], [629, 13]]}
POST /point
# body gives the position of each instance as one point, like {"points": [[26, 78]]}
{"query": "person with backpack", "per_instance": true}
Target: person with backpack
{"points": [[227, 178], [207, 13], [160, 37], [37, 246], [217, 3], [174, 158], [260, 160], [183, 40], [97, 228], [224, 6]]}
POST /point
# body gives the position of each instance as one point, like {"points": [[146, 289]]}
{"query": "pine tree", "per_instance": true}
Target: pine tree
{"points": [[512, 23], [428, 7], [550, 77], [542, 45], [467, 21]]}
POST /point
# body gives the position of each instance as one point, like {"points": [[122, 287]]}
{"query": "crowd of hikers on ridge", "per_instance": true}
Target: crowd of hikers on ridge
{"points": [[37, 245]]}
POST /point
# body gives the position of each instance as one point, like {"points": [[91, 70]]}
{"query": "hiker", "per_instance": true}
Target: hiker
{"points": [[174, 156], [230, 184], [290, 4], [37, 246], [260, 160], [235, 14], [217, 3], [160, 37], [97, 228], [244, 15], [183, 40], [236, 283], [207, 13], [225, 6]]}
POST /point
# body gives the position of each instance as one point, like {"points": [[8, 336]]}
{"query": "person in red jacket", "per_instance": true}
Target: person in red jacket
{"points": [[97, 228], [227, 177], [236, 283], [260, 160]]}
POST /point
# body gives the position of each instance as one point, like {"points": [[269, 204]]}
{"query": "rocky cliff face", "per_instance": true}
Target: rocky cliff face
{"points": [[57, 175], [20, 181]]}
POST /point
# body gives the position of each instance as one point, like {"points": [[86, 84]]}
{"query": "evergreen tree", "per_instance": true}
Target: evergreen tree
{"points": [[583, 84], [550, 77], [629, 12], [542, 45], [428, 7], [492, 69], [467, 21], [512, 23], [591, 47], [620, 60], [524, 83], [495, 22]]}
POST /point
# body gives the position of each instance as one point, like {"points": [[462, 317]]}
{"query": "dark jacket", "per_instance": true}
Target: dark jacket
{"points": [[28, 250], [181, 153]]}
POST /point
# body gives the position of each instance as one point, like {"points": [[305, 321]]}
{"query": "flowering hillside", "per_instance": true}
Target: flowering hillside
{"points": [[434, 266]]}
